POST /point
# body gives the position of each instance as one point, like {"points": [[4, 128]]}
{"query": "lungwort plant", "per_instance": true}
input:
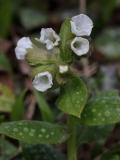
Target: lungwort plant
{"points": [[52, 68]]}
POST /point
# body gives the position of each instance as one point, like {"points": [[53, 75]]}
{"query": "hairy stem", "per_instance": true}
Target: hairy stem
{"points": [[71, 142]]}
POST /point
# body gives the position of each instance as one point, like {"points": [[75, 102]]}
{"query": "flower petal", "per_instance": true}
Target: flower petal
{"points": [[43, 81], [49, 44], [48, 37], [80, 46], [81, 25], [22, 45]]}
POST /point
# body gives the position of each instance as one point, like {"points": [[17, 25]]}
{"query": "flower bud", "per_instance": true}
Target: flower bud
{"points": [[63, 69]]}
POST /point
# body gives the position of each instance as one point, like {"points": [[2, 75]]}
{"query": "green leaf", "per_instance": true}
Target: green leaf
{"points": [[73, 96], [101, 111], [35, 132], [39, 151], [38, 18], [5, 17], [18, 106], [44, 107], [66, 36], [8, 151], [7, 99], [112, 154], [87, 134], [109, 93], [4, 61]]}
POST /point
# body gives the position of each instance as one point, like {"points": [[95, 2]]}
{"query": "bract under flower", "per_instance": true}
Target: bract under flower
{"points": [[43, 81], [49, 37], [80, 46], [81, 25], [22, 45]]}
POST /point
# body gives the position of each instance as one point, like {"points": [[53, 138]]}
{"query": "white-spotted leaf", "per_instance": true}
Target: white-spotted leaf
{"points": [[88, 134], [40, 152], [35, 131], [73, 96], [109, 93], [8, 151], [101, 111]]}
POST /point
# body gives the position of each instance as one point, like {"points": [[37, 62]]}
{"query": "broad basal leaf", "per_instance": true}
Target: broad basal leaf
{"points": [[8, 151], [65, 35], [35, 132], [73, 96], [101, 111], [87, 134], [40, 152]]}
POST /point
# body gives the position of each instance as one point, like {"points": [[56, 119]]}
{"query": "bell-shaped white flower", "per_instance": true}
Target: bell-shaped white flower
{"points": [[49, 37], [81, 25], [80, 46], [43, 81], [22, 45]]}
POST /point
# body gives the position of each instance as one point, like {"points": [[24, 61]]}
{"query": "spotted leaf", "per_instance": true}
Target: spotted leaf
{"points": [[109, 93], [73, 96], [41, 152], [87, 134], [35, 131], [8, 151], [101, 111]]}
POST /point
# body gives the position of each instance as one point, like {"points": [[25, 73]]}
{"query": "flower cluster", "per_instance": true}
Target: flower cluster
{"points": [[49, 67], [81, 25]]}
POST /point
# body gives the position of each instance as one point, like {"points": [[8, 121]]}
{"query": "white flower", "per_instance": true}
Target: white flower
{"points": [[22, 45], [80, 46], [49, 37], [63, 68], [81, 25], [43, 81]]}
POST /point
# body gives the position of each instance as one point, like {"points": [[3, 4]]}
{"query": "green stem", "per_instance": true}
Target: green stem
{"points": [[71, 142]]}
